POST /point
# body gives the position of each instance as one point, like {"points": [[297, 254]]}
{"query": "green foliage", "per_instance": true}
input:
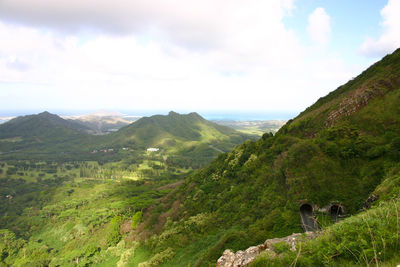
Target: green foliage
{"points": [[232, 239], [68, 220], [390, 187], [159, 258], [114, 236], [91, 250], [78, 212], [186, 141], [9, 244], [368, 238], [324, 220], [317, 157], [263, 260], [136, 218], [281, 247]]}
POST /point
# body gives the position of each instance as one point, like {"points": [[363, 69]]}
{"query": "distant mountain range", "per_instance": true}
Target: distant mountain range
{"points": [[103, 122], [46, 134]]}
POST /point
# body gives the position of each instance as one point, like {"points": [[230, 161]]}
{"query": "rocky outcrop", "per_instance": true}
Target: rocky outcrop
{"points": [[244, 258], [357, 99], [371, 199]]}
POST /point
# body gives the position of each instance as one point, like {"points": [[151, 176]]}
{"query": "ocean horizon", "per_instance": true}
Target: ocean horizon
{"points": [[209, 115]]}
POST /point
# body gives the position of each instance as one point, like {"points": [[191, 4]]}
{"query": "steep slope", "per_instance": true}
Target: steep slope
{"points": [[331, 157]]}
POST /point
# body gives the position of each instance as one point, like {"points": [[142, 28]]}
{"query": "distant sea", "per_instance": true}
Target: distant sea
{"points": [[209, 115]]}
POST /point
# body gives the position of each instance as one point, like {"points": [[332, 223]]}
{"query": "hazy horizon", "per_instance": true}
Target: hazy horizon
{"points": [[209, 115]]}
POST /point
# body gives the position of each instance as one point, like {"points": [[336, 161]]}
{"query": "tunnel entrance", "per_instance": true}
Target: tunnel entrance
{"points": [[336, 212], [307, 218]]}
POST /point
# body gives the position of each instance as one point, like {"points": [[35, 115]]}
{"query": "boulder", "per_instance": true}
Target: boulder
{"points": [[244, 258]]}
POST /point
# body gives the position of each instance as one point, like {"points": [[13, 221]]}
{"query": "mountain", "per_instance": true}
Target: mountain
{"points": [[103, 122], [43, 135], [326, 162], [185, 137], [186, 140], [334, 168], [43, 125], [159, 130], [41, 128]]}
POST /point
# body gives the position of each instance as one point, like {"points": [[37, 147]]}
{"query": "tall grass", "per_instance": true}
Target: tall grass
{"points": [[370, 238]]}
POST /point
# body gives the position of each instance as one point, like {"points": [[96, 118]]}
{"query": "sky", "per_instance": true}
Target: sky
{"points": [[241, 56]]}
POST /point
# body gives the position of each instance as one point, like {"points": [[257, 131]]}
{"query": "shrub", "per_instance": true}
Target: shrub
{"points": [[281, 247], [159, 258], [114, 236], [136, 218], [9, 244]]}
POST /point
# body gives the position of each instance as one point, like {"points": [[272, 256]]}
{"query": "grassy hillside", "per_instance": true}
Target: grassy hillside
{"points": [[186, 139], [337, 151], [369, 238], [342, 150], [162, 130]]}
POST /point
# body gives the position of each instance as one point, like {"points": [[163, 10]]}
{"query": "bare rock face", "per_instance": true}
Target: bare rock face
{"points": [[244, 258], [240, 258], [358, 98]]}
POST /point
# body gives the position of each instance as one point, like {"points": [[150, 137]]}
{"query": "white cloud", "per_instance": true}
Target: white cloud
{"points": [[196, 24], [319, 27], [390, 38], [17, 64], [187, 55]]}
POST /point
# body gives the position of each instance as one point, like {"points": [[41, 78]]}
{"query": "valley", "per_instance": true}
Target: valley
{"points": [[257, 127], [178, 190], [57, 179]]}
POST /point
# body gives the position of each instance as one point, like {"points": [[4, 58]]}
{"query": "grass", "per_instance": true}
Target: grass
{"points": [[370, 238]]}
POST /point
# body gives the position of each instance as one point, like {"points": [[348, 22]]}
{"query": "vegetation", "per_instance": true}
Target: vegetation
{"points": [[184, 140], [370, 238], [340, 150], [136, 219], [255, 127], [72, 219], [150, 209]]}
